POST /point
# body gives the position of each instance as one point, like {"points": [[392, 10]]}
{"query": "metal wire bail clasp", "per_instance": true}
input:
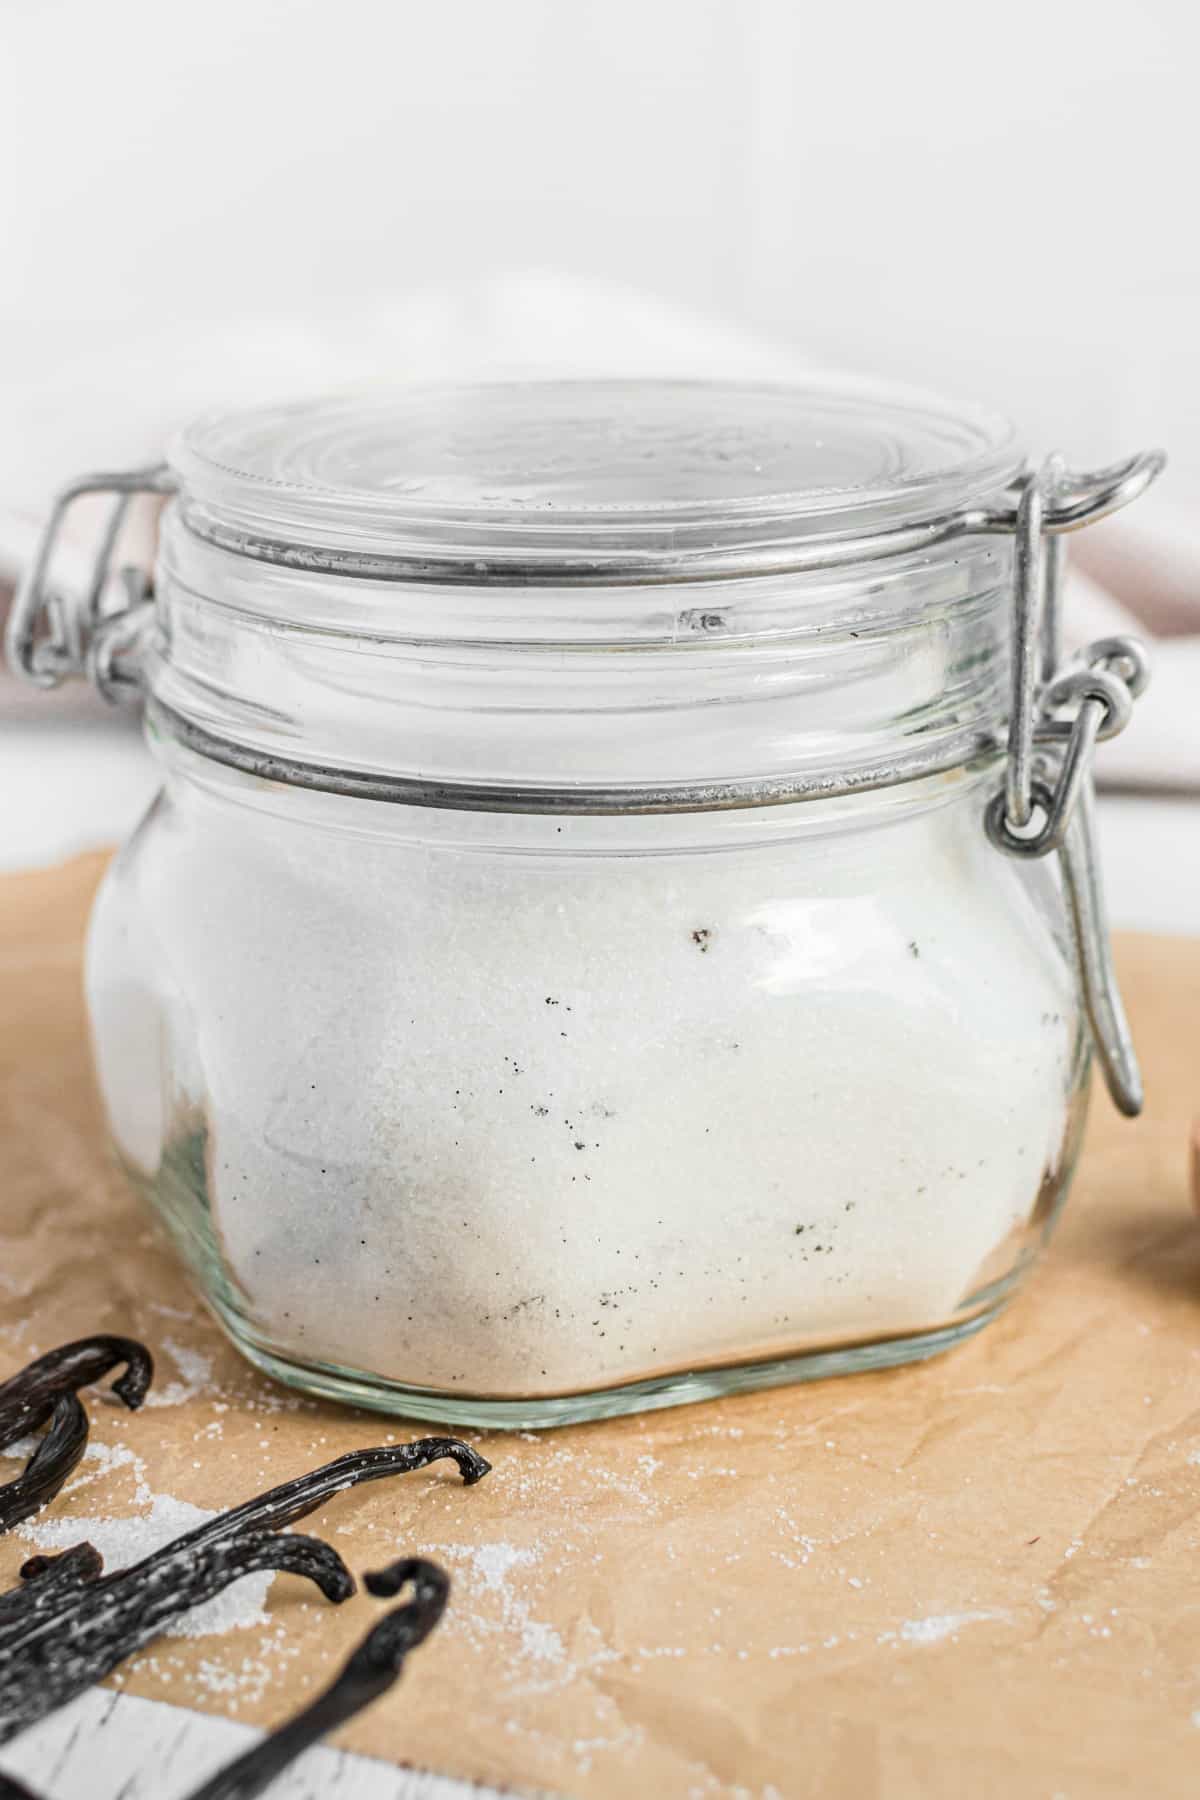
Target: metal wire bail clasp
{"points": [[50, 638], [1057, 716]]}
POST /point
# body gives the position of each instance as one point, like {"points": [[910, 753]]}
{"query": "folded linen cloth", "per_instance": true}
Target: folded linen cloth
{"points": [[1142, 575]]}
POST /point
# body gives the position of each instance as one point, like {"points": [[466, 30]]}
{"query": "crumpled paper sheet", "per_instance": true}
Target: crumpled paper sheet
{"points": [[976, 1576]]}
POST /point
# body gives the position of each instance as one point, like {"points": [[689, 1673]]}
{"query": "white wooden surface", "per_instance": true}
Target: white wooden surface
{"points": [[116, 1747]]}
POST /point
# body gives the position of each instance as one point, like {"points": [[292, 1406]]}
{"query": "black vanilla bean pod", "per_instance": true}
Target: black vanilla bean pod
{"points": [[64, 1596], [293, 1500], [56, 1577], [12, 1789], [372, 1669], [103, 1620], [48, 1468], [27, 1398], [70, 1625], [44, 1393]]}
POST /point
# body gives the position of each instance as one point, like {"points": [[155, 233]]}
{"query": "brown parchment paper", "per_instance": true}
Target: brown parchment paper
{"points": [[977, 1576]]}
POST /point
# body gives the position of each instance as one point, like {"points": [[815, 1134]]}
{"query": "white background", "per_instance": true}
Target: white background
{"points": [[993, 200]]}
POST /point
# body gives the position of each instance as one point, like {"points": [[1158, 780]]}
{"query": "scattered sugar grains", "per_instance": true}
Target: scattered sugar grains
{"points": [[487, 1568], [196, 1372], [493, 1562], [943, 1625]]}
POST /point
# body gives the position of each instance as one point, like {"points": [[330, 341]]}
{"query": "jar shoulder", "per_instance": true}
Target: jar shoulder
{"points": [[913, 905]]}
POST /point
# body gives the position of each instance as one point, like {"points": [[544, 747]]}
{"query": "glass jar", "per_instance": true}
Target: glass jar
{"points": [[572, 964]]}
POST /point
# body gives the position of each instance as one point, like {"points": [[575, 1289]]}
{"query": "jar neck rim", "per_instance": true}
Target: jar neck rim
{"points": [[395, 600]]}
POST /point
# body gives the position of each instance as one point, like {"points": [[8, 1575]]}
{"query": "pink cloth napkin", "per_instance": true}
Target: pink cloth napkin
{"points": [[1142, 575]]}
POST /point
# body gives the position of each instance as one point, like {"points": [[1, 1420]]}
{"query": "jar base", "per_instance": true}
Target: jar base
{"points": [[379, 1395]]}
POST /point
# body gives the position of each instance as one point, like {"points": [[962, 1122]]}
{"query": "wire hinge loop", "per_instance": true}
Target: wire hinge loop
{"points": [[1057, 715], [51, 638]]}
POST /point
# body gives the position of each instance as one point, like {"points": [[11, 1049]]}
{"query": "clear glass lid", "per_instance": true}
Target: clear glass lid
{"points": [[582, 480]]}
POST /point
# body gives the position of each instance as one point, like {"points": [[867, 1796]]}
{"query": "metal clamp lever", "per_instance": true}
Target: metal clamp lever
{"points": [[48, 638], [1046, 801]]}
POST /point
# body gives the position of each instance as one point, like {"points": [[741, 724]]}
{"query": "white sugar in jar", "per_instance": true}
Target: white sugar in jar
{"points": [[573, 964]]}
